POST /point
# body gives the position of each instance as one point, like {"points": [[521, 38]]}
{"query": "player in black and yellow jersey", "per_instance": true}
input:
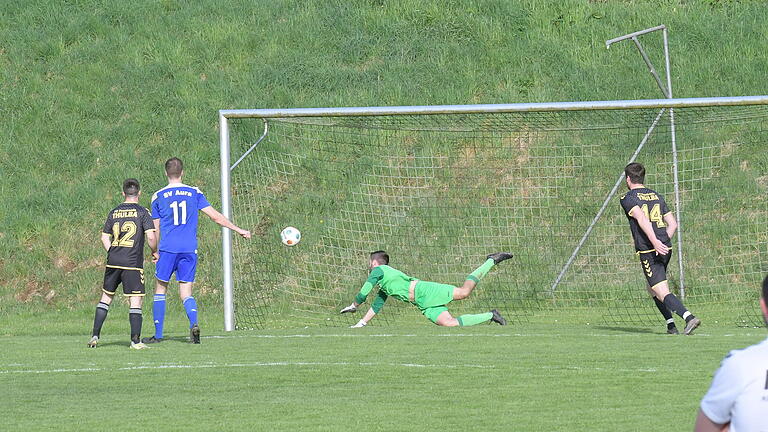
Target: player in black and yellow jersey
{"points": [[653, 225], [123, 239]]}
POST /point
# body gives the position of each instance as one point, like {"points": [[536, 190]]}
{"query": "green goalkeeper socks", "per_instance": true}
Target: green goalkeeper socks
{"points": [[470, 320], [481, 271]]}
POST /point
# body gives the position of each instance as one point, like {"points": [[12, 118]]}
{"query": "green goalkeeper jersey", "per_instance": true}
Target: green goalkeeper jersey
{"points": [[391, 282]]}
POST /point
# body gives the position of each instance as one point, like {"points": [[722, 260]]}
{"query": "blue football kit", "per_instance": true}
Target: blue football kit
{"points": [[176, 206]]}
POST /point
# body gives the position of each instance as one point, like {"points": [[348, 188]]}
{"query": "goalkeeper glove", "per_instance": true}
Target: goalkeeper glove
{"points": [[359, 324], [350, 308]]}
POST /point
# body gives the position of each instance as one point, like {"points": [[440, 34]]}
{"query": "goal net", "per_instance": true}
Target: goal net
{"points": [[439, 188]]}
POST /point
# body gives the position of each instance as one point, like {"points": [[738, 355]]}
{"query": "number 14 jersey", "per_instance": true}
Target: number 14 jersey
{"points": [[655, 208], [177, 206]]}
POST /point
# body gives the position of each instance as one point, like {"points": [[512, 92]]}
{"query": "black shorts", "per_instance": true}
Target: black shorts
{"points": [[655, 267], [132, 280]]}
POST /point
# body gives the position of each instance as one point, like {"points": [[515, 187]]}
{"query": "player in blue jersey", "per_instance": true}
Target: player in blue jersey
{"points": [[175, 215]]}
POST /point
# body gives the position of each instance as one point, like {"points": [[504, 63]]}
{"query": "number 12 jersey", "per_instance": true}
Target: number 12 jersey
{"points": [[127, 224]]}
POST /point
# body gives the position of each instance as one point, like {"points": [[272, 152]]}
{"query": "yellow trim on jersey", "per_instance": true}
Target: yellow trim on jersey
{"points": [[125, 268], [645, 251], [659, 283], [148, 230], [667, 213]]}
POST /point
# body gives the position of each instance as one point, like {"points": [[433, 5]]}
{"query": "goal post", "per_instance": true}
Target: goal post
{"points": [[439, 187]]}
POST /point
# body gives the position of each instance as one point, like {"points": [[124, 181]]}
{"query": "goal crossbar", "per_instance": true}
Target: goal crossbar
{"points": [[493, 108]]}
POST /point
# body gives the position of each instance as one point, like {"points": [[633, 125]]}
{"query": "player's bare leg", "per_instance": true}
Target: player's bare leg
{"points": [[462, 292], [106, 298], [185, 289], [661, 290], [161, 287], [445, 319]]}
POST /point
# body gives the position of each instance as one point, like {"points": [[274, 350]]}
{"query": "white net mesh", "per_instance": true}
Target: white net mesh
{"points": [[440, 192]]}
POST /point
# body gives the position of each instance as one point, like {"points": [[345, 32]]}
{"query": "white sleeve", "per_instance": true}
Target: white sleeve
{"points": [[726, 387]]}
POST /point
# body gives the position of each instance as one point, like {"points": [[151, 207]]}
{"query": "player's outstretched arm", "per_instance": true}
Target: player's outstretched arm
{"points": [[373, 279], [645, 225], [364, 321], [223, 221]]}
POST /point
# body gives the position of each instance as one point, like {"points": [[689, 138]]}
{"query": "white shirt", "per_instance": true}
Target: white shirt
{"points": [[739, 391]]}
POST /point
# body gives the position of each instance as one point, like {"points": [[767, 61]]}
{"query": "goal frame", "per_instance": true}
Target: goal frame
{"points": [[226, 165]]}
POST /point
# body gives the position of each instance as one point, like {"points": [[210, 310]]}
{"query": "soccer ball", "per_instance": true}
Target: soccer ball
{"points": [[290, 236]]}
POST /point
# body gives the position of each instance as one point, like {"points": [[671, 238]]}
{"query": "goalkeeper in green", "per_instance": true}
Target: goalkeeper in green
{"points": [[431, 298]]}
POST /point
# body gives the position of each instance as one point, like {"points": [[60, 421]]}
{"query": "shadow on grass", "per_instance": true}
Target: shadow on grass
{"points": [[127, 344], [628, 329], [183, 339], [122, 343]]}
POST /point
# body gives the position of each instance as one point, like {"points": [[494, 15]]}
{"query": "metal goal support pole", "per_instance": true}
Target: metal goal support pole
{"points": [[667, 91], [607, 201], [226, 234], [675, 171]]}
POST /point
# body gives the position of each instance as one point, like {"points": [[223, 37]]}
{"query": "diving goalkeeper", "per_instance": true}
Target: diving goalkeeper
{"points": [[431, 298]]}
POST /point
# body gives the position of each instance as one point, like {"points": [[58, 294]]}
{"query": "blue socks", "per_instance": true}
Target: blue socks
{"points": [[158, 314], [190, 305]]}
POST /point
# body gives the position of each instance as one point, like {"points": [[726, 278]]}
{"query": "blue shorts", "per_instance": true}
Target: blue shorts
{"points": [[183, 264]]}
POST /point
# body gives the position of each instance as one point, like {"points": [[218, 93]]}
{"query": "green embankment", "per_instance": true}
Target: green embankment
{"points": [[93, 92]]}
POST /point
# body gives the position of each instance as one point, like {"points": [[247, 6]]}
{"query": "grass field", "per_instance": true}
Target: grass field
{"points": [[93, 91], [574, 378]]}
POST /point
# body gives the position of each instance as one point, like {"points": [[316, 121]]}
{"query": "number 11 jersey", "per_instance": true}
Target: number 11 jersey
{"points": [[177, 206]]}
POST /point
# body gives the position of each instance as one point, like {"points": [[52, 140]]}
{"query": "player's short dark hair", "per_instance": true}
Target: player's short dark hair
{"points": [[635, 172], [765, 288], [131, 187], [173, 167], [380, 256]]}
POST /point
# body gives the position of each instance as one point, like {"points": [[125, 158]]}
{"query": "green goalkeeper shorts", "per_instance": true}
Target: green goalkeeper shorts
{"points": [[431, 298]]}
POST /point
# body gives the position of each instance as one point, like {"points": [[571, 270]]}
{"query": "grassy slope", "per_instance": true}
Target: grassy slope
{"points": [[92, 92]]}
